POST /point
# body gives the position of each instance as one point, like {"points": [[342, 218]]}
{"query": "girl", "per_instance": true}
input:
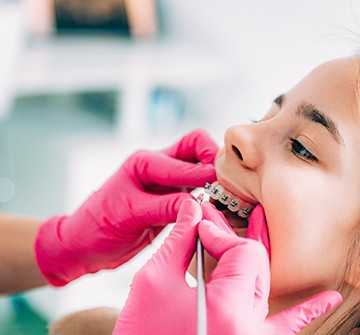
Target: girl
{"points": [[301, 163]]}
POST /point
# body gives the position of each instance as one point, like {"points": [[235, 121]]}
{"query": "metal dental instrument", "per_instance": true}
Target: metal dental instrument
{"points": [[201, 294]]}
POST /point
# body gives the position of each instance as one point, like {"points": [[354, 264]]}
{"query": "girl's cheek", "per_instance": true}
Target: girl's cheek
{"points": [[220, 153]]}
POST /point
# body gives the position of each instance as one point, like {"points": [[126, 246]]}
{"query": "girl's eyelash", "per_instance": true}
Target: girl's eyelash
{"points": [[300, 151]]}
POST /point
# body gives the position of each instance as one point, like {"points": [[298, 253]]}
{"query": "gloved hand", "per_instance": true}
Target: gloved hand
{"points": [[242, 279], [161, 302], [127, 212]]}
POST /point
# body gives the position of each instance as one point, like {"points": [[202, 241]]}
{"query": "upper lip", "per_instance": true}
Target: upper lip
{"points": [[236, 191]]}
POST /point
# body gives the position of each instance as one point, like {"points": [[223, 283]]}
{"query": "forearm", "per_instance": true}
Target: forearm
{"points": [[19, 270]]}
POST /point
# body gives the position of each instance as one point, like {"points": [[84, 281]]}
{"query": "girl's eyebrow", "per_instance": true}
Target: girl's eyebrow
{"points": [[311, 113]]}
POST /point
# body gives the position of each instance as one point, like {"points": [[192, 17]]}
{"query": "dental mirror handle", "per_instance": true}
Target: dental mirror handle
{"points": [[201, 293]]}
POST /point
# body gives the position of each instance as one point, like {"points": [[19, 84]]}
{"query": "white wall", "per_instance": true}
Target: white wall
{"points": [[269, 44]]}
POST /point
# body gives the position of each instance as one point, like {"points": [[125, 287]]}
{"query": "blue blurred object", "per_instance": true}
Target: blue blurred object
{"points": [[166, 110], [23, 320], [110, 17]]}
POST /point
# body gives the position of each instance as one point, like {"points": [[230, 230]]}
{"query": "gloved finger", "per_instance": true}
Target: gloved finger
{"points": [[240, 262], [157, 168], [262, 284], [294, 319], [195, 147], [217, 241], [164, 208], [262, 289], [214, 215], [259, 231], [175, 254]]}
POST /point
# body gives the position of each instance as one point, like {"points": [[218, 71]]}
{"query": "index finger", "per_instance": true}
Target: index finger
{"points": [[294, 319], [195, 147], [242, 271]]}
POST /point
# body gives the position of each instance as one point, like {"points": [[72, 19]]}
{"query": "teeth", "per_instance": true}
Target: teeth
{"points": [[234, 205], [225, 198], [245, 212], [218, 192], [207, 188]]}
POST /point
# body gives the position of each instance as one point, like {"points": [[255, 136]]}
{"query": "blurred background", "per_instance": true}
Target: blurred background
{"points": [[84, 84]]}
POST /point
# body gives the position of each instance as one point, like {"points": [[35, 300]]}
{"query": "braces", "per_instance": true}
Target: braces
{"points": [[216, 191]]}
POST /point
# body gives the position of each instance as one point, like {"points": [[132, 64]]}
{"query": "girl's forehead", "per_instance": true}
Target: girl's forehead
{"points": [[336, 74], [333, 86]]}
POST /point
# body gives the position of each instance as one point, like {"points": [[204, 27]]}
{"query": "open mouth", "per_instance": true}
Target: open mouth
{"points": [[235, 209], [238, 213]]}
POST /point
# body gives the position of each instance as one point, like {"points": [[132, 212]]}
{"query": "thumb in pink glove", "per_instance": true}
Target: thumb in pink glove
{"points": [[125, 215]]}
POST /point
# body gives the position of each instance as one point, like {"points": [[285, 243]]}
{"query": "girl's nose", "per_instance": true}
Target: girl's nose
{"points": [[243, 142]]}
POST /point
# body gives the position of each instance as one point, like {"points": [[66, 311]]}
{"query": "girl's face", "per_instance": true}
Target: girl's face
{"points": [[301, 161]]}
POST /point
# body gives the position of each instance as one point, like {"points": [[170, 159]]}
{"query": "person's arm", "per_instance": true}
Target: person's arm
{"points": [[18, 268]]}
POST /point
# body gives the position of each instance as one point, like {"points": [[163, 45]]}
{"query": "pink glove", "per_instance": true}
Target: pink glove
{"points": [[243, 267], [128, 211], [161, 302]]}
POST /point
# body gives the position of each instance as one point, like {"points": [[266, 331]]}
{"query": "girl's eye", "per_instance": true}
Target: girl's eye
{"points": [[300, 151]]}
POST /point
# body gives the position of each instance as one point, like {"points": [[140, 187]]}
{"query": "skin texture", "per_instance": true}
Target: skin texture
{"points": [[17, 254], [96, 321], [305, 177]]}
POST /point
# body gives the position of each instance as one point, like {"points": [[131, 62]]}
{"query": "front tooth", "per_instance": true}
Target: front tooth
{"points": [[225, 198], [216, 192], [244, 212], [234, 205], [207, 188]]}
